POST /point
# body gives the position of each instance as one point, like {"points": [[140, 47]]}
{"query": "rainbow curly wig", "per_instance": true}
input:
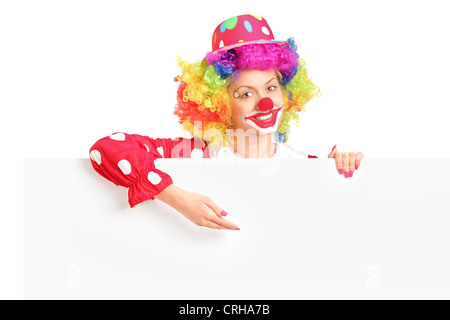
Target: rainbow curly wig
{"points": [[202, 96]]}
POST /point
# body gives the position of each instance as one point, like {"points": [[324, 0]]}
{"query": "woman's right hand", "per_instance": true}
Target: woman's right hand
{"points": [[198, 208]]}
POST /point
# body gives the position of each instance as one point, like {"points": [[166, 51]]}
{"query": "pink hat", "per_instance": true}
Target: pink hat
{"points": [[240, 30]]}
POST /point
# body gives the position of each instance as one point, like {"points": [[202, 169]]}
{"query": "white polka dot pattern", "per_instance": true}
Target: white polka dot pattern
{"points": [[154, 178], [118, 136], [128, 160], [96, 156], [125, 166]]}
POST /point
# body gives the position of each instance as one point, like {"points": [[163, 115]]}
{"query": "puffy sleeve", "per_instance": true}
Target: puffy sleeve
{"points": [[127, 160]]}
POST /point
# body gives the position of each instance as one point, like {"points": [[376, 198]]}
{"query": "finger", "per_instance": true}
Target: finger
{"points": [[224, 223], [346, 164], [214, 207], [212, 225], [339, 165], [359, 157], [352, 157], [333, 152]]}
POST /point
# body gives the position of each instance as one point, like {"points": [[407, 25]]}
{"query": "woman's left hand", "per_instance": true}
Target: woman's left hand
{"points": [[346, 162]]}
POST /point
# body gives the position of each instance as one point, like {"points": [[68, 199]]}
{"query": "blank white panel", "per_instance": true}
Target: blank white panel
{"points": [[306, 232]]}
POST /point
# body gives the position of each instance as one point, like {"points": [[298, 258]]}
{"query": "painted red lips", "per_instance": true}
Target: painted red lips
{"points": [[267, 122]]}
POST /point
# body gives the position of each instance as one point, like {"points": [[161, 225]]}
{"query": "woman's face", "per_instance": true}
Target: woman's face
{"points": [[246, 91]]}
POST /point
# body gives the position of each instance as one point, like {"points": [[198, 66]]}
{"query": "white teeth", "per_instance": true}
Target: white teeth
{"points": [[264, 117]]}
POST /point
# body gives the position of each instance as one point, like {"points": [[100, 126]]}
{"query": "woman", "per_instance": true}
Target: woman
{"points": [[236, 102]]}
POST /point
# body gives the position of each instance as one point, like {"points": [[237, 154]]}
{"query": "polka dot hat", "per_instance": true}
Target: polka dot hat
{"points": [[240, 30]]}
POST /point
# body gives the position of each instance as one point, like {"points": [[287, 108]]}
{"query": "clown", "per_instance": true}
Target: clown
{"points": [[236, 102]]}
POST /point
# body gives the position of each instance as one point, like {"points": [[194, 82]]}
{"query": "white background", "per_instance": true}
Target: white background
{"points": [[72, 72]]}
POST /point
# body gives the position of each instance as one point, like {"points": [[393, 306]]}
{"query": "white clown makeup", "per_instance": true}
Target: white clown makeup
{"points": [[257, 101]]}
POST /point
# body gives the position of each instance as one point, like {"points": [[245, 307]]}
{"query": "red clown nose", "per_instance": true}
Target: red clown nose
{"points": [[265, 104]]}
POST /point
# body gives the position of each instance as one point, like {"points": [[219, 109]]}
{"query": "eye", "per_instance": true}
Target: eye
{"points": [[249, 94]]}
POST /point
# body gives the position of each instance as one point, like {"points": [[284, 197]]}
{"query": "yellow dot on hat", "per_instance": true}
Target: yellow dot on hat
{"points": [[241, 41], [257, 17]]}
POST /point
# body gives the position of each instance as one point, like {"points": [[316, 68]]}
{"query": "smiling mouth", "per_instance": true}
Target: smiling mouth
{"points": [[264, 119]]}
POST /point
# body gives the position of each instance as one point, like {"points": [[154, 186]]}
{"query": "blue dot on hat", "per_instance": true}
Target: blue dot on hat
{"points": [[248, 26], [222, 27]]}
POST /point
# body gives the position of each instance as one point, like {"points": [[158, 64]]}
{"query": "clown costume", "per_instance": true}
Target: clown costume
{"points": [[204, 108]]}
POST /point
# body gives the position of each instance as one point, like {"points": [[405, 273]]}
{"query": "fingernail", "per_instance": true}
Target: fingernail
{"points": [[346, 174], [356, 167], [223, 213], [237, 229], [341, 171], [351, 173], [333, 148]]}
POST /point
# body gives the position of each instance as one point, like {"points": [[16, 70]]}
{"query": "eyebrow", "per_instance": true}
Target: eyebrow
{"points": [[254, 88]]}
